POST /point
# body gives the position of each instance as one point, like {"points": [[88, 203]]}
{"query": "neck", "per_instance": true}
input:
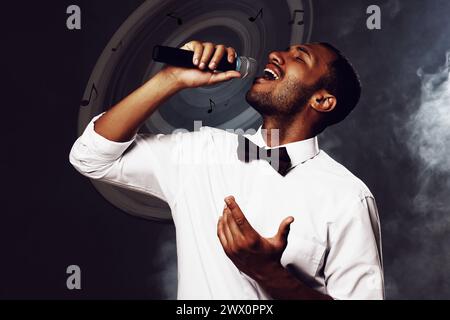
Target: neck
{"points": [[288, 131]]}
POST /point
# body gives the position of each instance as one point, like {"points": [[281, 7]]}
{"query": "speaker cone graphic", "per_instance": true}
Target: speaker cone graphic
{"points": [[253, 28]]}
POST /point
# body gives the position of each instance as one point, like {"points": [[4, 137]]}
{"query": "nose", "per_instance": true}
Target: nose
{"points": [[276, 57]]}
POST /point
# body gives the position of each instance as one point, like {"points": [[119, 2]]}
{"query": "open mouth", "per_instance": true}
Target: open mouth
{"points": [[271, 73]]}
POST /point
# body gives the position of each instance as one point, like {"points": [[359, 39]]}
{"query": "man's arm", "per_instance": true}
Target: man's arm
{"points": [[280, 284], [260, 257], [122, 121], [354, 268], [109, 149]]}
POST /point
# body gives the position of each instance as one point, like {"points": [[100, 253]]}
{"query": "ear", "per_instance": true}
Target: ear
{"points": [[322, 101]]}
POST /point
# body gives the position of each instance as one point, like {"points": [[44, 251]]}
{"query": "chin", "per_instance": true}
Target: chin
{"points": [[260, 101], [262, 90]]}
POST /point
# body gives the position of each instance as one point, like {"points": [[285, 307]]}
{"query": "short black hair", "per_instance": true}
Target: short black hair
{"points": [[343, 82]]}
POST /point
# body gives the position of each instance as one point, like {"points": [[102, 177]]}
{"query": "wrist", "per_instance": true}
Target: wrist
{"points": [[270, 273], [170, 80]]}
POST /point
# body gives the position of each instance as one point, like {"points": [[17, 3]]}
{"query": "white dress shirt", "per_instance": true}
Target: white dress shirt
{"points": [[334, 244]]}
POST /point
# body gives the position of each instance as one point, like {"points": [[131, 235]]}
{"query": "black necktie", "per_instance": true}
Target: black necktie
{"points": [[278, 158]]}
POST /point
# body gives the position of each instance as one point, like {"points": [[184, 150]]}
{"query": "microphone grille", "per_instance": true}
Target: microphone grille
{"points": [[248, 66]]}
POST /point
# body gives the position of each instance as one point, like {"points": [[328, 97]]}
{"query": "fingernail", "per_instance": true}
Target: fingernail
{"points": [[202, 65], [196, 61], [212, 65], [229, 200]]}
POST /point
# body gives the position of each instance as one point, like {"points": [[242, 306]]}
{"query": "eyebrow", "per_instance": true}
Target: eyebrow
{"points": [[303, 49]]}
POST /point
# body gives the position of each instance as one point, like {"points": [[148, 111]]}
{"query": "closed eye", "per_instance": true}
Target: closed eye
{"points": [[299, 49]]}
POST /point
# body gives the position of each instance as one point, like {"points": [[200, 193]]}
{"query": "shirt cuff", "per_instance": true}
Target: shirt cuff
{"points": [[108, 149]]}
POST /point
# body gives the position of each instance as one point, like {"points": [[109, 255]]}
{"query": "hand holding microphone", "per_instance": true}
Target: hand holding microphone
{"points": [[199, 64]]}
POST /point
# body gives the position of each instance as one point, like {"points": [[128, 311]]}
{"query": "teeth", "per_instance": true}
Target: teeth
{"points": [[276, 77]]}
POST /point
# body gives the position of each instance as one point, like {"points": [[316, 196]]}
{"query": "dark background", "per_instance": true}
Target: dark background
{"points": [[396, 142]]}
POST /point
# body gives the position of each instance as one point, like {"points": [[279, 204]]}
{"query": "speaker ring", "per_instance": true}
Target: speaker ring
{"points": [[132, 202]]}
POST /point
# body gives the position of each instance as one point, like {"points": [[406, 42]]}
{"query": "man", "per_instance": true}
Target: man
{"points": [[250, 247]]}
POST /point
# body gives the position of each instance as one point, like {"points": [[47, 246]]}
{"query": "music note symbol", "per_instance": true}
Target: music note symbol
{"points": [[86, 102], [117, 47], [260, 12], [171, 15], [300, 22], [212, 105]]}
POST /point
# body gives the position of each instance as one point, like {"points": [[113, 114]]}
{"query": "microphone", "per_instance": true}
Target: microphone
{"points": [[184, 58]]}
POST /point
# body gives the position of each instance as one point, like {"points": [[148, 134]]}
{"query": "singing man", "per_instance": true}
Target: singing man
{"points": [[249, 226]]}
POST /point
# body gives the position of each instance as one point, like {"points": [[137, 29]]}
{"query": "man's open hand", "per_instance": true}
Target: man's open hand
{"points": [[250, 252]]}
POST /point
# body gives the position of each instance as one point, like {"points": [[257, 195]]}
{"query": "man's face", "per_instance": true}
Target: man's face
{"points": [[289, 79]]}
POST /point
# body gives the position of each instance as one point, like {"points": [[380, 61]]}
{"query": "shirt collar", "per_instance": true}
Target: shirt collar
{"points": [[299, 151]]}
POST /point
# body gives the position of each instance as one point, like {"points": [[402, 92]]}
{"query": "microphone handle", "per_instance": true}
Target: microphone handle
{"points": [[184, 58]]}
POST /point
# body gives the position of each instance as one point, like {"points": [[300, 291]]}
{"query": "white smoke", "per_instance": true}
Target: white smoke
{"points": [[430, 125], [164, 265], [393, 8], [424, 204], [429, 141]]}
